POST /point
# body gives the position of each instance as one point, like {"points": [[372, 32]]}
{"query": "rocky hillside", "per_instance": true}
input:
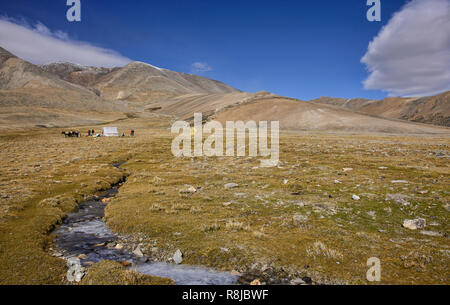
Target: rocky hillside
{"points": [[432, 109], [306, 116], [137, 81], [33, 97], [77, 74]]}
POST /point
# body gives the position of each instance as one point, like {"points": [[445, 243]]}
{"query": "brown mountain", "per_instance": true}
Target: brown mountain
{"points": [[432, 109], [137, 81], [31, 96], [298, 115], [77, 74], [64, 94]]}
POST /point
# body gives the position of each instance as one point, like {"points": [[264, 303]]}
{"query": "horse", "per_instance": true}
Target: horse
{"points": [[71, 134]]}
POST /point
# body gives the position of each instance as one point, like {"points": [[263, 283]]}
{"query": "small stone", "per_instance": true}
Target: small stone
{"points": [[347, 169], [188, 189], [119, 247], [225, 204], [372, 214], [414, 224], [355, 197], [298, 281], [430, 233], [399, 181], [178, 257], [231, 185], [398, 198], [382, 167], [337, 182], [73, 261], [138, 252]]}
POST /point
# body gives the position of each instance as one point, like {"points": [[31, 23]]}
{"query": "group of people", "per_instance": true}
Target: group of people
{"points": [[131, 133], [91, 133]]}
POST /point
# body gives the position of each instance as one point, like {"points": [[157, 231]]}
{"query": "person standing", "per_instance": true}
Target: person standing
{"points": [[132, 132]]}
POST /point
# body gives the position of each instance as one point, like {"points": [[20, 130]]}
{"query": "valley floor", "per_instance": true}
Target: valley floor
{"points": [[298, 220]]}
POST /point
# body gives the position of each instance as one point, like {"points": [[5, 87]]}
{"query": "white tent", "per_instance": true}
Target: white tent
{"points": [[110, 132]]}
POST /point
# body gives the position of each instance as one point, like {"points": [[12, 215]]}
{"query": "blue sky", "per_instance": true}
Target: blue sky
{"points": [[301, 49]]}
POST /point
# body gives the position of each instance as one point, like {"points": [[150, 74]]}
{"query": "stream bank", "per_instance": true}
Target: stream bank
{"points": [[83, 239]]}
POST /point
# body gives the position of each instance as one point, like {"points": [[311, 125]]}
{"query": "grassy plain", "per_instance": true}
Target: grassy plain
{"points": [[294, 220]]}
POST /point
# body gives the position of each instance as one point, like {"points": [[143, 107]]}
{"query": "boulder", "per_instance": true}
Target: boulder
{"points": [[414, 224], [178, 257]]}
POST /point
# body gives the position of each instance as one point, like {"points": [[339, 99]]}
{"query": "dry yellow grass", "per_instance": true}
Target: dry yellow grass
{"points": [[298, 218]]}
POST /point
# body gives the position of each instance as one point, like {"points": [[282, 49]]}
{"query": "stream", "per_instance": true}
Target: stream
{"points": [[84, 232]]}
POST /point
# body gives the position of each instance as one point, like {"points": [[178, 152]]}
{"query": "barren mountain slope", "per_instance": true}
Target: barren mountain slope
{"points": [[140, 82], [185, 106], [299, 115], [30, 96], [350, 104], [77, 74], [431, 109]]}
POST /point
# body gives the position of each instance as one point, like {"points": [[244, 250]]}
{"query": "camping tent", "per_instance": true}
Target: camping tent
{"points": [[110, 132]]}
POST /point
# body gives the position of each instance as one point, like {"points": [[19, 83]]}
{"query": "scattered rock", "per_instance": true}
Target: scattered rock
{"points": [[355, 197], [430, 233], [298, 281], [231, 185], [178, 257], [138, 252], [188, 189], [347, 169], [398, 198], [76, 272], [119, 247], [382, 167], [399, 181], [337, 182], [225, 204], [414, 224]]}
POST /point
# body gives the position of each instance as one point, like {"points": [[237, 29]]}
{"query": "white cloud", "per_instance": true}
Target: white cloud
{"points": [[40, 45], [200, 67], [411, 54]]}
